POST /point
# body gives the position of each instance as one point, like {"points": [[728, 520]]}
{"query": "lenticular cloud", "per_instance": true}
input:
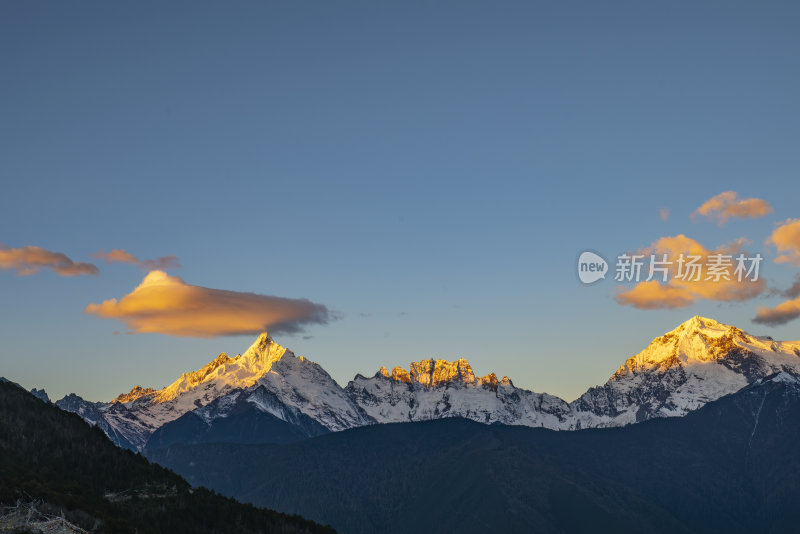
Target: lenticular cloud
{"points": [[166, 304]]}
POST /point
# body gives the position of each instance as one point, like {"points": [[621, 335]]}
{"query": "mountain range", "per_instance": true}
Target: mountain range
{"points": [[730, 466], [696, 433], [270, 395]]}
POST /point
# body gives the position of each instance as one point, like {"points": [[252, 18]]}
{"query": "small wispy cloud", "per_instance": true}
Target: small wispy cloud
{"points": [[785, 311], [728, 205], [121, 256], [30, 260], [664, 214], [782, 313], [794, 290]]}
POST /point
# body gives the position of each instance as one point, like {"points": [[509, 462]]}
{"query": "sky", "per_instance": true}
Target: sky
{"points": [[383, 182]]}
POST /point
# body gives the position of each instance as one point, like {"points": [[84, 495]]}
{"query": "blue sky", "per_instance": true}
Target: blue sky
{"points": [[429, 172]]}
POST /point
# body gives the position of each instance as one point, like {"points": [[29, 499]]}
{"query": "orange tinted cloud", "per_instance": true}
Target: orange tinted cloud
{"points": [[664, 214], [728, 204], [30, 260], [780, 314], [168, 305], [786, 238], [653, 295], [679, 293], [120, 256]]}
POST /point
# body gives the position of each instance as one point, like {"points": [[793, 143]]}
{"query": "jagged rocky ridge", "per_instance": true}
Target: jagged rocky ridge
{"points": [[698, 362], [434, 389]]}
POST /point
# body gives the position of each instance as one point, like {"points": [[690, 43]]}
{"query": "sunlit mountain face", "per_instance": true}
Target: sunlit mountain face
{"points": [[300, 384], [697, 362]]}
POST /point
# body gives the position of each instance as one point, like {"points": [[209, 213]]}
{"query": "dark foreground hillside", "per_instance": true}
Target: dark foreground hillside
{"points": [[55, 457], [732, 466]]}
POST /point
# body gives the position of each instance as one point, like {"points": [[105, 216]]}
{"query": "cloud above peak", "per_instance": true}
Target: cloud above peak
{"points": [[680, 292], [167, 305], [728, 205], [30, 260], [121, 256], [786, 238]]}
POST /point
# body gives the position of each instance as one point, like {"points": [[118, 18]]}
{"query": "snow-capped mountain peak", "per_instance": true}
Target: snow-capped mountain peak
{"points": [[300, 384], [263, 353], [700, 341], [699, 361], [240, 372], [135, 415]]}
